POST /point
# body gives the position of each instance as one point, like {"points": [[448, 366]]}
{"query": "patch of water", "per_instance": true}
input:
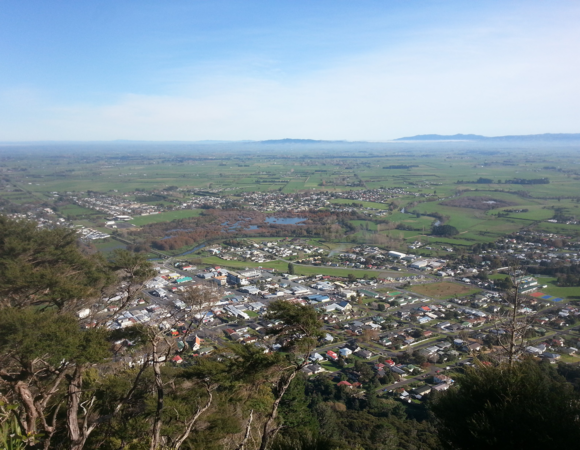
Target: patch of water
{"points": [[285, 220]]}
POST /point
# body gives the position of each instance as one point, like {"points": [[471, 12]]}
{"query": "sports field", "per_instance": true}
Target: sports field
{"points": [[165, 217], [444, 290]]}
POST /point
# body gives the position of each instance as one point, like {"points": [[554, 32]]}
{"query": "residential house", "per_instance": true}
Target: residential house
{"points": [[332, 355], [345, 352], [364, 354]]}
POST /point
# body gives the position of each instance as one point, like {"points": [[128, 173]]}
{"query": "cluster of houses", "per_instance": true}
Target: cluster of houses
{"points": [[281, 202], [205, 201], [296, 202], [560, 318], [440, 382], [264, 251], [371, 257], [88, 234], [537, 247], [113, 205], [381, 195], [44, 217], [554, 347], [332, 299]]}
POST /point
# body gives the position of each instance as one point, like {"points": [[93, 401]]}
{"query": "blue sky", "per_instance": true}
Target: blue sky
{"points": [[231, 70]]}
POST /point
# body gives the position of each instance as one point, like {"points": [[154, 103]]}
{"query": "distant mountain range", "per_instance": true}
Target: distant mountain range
{"points": [[301, 141], [438, 137], [547, 137], [477, 137]]}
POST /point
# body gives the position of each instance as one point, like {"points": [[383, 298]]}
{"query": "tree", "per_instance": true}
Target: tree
{"points": [[44, 355], [369, 335], [444, 230], [294, 410], [39, 352], [42, 267], [291, 268], [515, 325], [523, 406], [419, 357], [365, 371], [300, 332]]}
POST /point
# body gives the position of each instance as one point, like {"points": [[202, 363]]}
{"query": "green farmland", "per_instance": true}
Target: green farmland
{"points": [[398, 192]]}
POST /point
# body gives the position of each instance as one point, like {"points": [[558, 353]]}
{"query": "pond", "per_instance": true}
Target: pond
{"points": [[239, 226], [285, 220]]}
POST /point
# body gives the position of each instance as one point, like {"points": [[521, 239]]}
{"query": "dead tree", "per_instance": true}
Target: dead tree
{"points": [[515, 322]]}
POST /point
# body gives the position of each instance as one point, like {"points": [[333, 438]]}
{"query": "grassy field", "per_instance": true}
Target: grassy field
{"points": [[18, 198], [108, 245], [557, 291], [552, 287], [362, 203], [74, 211], [293, 186], [365, 224], [282, 266], [443, 290], [165, 217]]}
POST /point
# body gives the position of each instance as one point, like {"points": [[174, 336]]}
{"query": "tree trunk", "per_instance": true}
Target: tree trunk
{"points": [[268, 432], [77, 439], [25, 396], [156, 438]]}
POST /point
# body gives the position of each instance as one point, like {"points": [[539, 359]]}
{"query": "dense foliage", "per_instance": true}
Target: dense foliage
{"points": [[526, 406], [444, 230]]}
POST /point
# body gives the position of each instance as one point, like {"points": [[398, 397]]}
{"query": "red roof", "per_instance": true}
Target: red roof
{"points": [[177, 358], [344, 383]]}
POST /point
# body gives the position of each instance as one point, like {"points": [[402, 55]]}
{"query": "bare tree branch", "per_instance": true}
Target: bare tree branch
{"points": [[247, 435]]}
